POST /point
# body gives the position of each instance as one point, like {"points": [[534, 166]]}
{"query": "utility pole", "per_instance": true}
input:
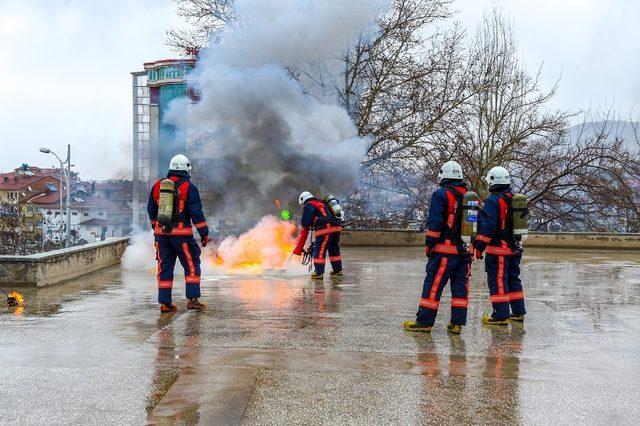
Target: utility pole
{"points": [[68, 195], [67, 176]]}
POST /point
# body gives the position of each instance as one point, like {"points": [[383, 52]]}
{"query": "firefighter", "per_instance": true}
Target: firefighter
{"points": [[174, 238], [316, 217], [449, 258], [503, 251]]}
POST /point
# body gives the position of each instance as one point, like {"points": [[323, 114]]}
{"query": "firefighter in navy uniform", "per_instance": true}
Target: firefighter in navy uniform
{"points": [[503, 251], [317, 217], [175, 240], [449, 259]]}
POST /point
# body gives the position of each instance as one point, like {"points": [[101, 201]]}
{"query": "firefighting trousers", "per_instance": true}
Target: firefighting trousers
{"points": [[323, 244], [188, 252], [505, 287], [440, 269]]}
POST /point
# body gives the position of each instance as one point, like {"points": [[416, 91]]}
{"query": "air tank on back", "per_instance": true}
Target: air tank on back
{"points": [[520, 214], [333, 204], [470, 208], [165, 203]]}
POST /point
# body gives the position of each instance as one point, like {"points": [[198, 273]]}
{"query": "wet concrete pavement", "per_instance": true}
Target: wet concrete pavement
{"points": [[285, 350]]}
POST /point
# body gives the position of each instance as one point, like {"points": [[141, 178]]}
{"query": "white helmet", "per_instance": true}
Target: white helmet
{"points": [[498, 176], [450, 170], [180, 163], [304, 197]]}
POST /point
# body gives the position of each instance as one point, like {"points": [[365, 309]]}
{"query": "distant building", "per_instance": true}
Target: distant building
{"points": [[33, 194], [26, 181], [155, 140]]}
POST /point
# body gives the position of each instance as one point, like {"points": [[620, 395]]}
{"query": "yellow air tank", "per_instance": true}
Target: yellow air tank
{"points": [[333, 204], [469, 225], [165, 203], [520, 214]]}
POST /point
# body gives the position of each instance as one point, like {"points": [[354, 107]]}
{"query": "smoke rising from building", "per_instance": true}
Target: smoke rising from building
{"points": [[268, 138]]}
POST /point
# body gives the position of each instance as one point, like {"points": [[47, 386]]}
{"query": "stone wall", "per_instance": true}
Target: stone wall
{"points": [[52, 267], [577, 240]]}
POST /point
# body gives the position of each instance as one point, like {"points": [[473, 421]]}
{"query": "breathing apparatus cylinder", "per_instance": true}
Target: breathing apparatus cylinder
{"points": [[520, 214], [165, 203], [469, 219], [333, 204]]}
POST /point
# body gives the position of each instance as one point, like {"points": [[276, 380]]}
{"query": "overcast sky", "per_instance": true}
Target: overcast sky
{"points": [[65, 67]]}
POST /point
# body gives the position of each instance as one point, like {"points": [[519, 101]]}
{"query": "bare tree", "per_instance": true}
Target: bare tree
{"points": [[423, 96], [205, 19], [20, 233]]}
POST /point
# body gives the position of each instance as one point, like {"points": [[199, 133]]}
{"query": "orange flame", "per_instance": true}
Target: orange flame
{"points": [[17, 296], [268, 245]]}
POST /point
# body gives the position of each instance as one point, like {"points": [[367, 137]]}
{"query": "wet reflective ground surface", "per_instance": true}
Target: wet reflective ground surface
{"points": [[280, 351]]}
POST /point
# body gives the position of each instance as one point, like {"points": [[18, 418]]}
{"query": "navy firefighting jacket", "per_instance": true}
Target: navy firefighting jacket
{"points": [[443, 235], [493, 223], [189, 208], [314, 216]]}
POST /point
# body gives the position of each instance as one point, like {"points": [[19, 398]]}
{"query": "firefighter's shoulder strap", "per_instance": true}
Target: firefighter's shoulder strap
{"points": [[180, 195], [320, 206], [155, 190], [454, 201], [504, 209]]}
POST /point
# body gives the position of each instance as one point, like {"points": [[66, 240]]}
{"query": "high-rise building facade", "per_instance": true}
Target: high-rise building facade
{"points": [[159, 102]]}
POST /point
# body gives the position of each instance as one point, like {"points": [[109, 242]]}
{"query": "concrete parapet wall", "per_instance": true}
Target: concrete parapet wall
{"points": [[575, 240], [43, 269]]}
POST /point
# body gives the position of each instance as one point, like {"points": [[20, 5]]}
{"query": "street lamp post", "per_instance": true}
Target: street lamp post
{"points": [[67, 176]]}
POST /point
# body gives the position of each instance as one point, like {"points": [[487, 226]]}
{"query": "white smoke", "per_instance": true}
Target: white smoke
{"points": [[289, 32], [270, 137], [140, 253]]}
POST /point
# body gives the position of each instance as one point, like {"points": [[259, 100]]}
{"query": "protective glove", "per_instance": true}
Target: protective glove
{"points": [[204, 240], [297, 251], [478, 248], [479, 245], [478, 254], [429, 243]]}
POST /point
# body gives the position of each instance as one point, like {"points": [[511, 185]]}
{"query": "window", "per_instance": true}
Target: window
{"points": [[100, 214], [57, 213], [48, 211], [74, 213], [86, 214]]}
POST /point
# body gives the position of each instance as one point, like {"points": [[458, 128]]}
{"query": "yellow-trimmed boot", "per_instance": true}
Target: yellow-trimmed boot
{"points": [[316, 276], [415, 326], [489, 320], [454, 328], [516, 318]]}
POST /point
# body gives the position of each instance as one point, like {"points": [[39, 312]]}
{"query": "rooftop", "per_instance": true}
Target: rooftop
{"points": [[22, 179], [166, 62]]}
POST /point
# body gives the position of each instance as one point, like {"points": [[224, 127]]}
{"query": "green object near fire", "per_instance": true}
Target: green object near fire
{"points": [[285, 214]]}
